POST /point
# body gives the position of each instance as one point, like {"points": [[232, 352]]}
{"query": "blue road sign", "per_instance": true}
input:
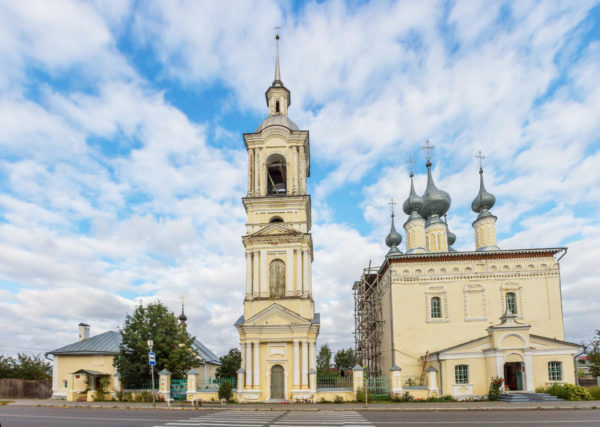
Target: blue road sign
{"points": [[152, 358]]}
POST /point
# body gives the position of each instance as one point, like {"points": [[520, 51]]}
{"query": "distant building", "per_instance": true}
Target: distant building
{"points": [[82, 364], [451, 321]]}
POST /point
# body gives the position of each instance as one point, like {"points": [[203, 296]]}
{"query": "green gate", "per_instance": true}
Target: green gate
{"points": [[179, 389], [378, 388]]}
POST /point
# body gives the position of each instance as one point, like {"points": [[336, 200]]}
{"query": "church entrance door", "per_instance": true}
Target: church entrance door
{"points": [[277, 382], [513, 375]]}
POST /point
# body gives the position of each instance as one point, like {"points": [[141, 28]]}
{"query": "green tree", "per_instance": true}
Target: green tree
{"points": [[25, 367], [592, 351], [172, 344], [345, 359], [230, 363], [324, 359]]}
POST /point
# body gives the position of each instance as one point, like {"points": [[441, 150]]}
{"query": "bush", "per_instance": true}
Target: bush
{"points": [[338, 399], [360, 395], [495, 386], [594, 392], [406, 397], [225, 390], [568, 392], [124, 396], [143, 396]]}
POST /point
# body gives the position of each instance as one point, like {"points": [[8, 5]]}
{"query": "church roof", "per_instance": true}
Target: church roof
{"points": [[277, 120], [205, 353]]}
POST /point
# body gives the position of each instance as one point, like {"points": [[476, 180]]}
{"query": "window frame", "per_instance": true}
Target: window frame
{"points": [[436, 307], [511, 300], [461, 374], [555, 372]]}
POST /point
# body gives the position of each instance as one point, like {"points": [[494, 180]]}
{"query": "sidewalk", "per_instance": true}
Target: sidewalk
{"points": [[386, 406]]}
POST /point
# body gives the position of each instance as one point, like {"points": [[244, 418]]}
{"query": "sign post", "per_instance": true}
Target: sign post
{"points": [[366, 376], [152, 363]]}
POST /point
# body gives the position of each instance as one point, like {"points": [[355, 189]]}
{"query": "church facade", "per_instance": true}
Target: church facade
{"points": [[279, 328], [451, 321]]}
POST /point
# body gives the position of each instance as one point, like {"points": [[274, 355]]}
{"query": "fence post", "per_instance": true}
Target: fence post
{"points": [[395, 381], [117, 382], [357, 379], [241, 377], [192, 383], [164, 384], [433, 385], [312, 379]]}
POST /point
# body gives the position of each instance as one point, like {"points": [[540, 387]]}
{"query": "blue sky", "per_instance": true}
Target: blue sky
{"points": [[122, 163]]}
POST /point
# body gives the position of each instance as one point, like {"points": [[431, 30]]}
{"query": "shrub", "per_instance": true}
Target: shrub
{"points": [[124, 396], [594, 392], [360, 395], [569, 392], [225, 390], [143, 396], [338, 399], [495, 387]]}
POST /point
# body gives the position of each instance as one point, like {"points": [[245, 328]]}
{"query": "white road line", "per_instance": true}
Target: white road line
{"points": [[522, 422]]}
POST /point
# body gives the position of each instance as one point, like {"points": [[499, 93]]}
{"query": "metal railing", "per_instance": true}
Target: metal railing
{"points": [[333, 381], [141, 385], [214, 383]]}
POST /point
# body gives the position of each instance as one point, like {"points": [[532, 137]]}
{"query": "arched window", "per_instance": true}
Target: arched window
{"points": [[276, 175], [511, 302], [276, 219], [277, 106], [436, 308], [277, 278]]}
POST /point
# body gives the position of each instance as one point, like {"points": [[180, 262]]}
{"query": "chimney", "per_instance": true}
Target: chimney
{"points": [[84, 331]]}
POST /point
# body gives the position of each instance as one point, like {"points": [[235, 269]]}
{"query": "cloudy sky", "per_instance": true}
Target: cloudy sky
{"points": [[122, 164]]}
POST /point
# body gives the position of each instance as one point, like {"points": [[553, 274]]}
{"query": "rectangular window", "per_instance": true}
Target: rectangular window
{"points": [[64, 383], [555, 371], [461, 374]]}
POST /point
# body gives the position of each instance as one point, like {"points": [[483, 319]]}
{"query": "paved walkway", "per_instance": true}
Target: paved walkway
{"points": [[385, 406]]}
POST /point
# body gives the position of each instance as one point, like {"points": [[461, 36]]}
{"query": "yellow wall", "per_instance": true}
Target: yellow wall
{"points": [[67, 364]]}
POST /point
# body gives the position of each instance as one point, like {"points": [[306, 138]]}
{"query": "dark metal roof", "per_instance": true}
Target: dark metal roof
{"points": [[90, 372], [240, 321], [317, 319], [205, 353], [105, 343]]}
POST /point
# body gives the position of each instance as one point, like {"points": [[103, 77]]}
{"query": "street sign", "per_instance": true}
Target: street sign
{"points": [[152, 358]]}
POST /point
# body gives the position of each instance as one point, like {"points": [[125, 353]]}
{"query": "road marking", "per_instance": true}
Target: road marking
{"points": [[4, 414], [522, 422]]}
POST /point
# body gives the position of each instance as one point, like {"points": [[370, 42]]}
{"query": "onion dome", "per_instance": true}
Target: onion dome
{"points": [[451, 237], [437, 202], [182, 316], [484, 200], [393, 239], [413, 205]]}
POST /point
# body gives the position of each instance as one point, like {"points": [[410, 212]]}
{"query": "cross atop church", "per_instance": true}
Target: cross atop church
{"points": [[277, 32], [410, 162], [182, 299], [392, 204], [481, 158], [428, 147]]}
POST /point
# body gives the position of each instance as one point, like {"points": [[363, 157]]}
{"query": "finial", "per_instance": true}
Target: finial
{"points": [[481, 158], [410, 162], [182, 317], [392, 204], [428, 147], [277, 74]]}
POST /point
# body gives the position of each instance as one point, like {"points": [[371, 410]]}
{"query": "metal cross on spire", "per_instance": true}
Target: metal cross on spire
{"points": [[410, 162], [428, 147], [481, 158], [182, 299], [392, 204], [277, 73]]}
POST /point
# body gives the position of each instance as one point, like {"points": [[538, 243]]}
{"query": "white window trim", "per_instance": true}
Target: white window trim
{"points": [[474, 290], [440, 292]]}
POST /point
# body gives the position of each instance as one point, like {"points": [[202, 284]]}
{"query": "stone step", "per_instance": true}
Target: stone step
{"points": [[527, 397]]}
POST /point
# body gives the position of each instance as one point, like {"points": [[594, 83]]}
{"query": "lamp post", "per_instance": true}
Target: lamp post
{"points": [[152, 362]]}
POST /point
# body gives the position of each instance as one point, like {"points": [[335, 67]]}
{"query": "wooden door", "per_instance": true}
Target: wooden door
{"points": [[277, 391]]}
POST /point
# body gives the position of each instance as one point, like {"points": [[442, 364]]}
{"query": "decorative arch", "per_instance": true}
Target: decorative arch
{"points": [[513, 357], [511, 335], [276, 166], [277, 278], [276, 219]]}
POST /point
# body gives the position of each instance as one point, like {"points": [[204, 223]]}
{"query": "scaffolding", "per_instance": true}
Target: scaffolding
{"points": [[368, 320]]}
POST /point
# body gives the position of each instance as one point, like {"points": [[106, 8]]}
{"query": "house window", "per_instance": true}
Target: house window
{"points": [[64, 383], [436, 308], [555, 371], [461, 374], [511, 302]]}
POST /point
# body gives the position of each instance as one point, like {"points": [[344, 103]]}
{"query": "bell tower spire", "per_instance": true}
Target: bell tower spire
{"points": [[278, 96]]}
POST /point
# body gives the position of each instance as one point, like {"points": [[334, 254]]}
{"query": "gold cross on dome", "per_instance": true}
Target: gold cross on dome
{"points": [[392, 204], [410, 162], [428, 147], [277, 32]]}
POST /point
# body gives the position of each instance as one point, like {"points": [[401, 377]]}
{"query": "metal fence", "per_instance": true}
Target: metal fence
{"points": [[214, 383], [334, 381], [140, 385], [378, 388]]}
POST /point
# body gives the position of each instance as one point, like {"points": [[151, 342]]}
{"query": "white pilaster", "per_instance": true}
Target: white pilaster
{"points": [[255, 282], [248, 274], [305, 264], [309, 274], [289, 280], [263, 273], [248, 367], [256, 363], [298, 272], [294, 171], [529, 373], [311, 356], [304, 364], [256, 172], [250, 168], [302, 170], [296, 363]]}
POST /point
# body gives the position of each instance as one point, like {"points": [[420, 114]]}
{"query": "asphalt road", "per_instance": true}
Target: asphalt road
{"points": [[12, 416]]}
